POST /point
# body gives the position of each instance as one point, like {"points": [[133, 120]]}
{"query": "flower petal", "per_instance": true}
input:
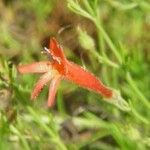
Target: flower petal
{"points": [[52, 90], [40, 84], [86, 79], [56, 51], [59, 59], [37, 67]]}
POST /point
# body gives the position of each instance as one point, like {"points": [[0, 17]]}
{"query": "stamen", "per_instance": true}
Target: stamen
{"points": [[47, 50], [43, 52], [58, 59]]}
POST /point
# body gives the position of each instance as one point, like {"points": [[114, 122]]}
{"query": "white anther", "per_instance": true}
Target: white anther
{"points": [[46, 49]]}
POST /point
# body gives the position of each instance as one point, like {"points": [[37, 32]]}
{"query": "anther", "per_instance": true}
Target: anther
{"points": [[46, 49]]}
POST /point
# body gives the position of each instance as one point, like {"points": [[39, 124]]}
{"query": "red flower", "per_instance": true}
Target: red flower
{"points": [[61, 68]]}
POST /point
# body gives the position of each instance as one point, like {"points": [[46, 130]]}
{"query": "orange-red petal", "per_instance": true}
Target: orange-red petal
{"points": [[40, 84], [37, 67], [55, 50], [59, 59], [52, 90], [86, 79]]}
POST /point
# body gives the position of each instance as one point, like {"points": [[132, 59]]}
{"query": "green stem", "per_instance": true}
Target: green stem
{"points": [[51, 133], [104, 60], [17, 132], [108, 40], [137, 91], [137, 115]]}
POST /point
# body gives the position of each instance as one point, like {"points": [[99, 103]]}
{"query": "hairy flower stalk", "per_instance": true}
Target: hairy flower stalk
{"points": [[61, 68]]}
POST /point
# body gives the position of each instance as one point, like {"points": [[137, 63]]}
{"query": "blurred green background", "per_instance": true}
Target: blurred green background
{"points": [[111, 38]]}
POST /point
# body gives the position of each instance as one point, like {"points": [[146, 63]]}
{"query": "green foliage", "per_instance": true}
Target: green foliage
{"points": [[118, 53]]}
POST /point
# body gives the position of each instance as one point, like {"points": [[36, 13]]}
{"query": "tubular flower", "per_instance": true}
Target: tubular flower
{"points": [[61, 68]]}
